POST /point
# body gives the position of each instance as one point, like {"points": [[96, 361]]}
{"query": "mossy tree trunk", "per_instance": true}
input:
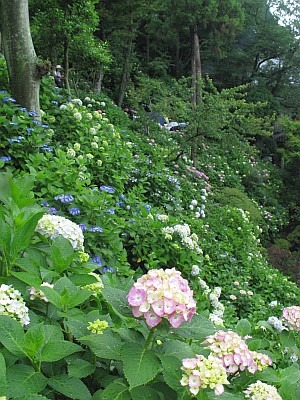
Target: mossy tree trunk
{"points": [[19, 53]]}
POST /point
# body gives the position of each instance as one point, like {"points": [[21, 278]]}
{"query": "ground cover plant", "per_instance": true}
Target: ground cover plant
{"points": [[124, 275]]}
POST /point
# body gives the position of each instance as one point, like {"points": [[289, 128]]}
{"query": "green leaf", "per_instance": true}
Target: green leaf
{"points": [[57, 350], [79, 297], [108, 345], [258, 344], [172, 373], [34, 339], [289, 390], [72, 388], [32, 397], [117, 299], [52, 295], [140, 365], [198, 328], [3, 382], [225, 396], [177, 349], [23, 380], [292, 374], [24, 234], [62, 253], [26, 277], [243, 327], [12, 335], [78, 368], [144, 393], [117, 390], [287, 339], [5, 236]]}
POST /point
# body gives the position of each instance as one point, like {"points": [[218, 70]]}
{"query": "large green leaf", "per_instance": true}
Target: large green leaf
{"points": [[177, 349], [3, 381], [34, 339], [108, 345], [32, 397], [62, 253], [12, 335], [57, 350], [243, 327], [72, 388], [144, 392], [28, 278], [23, 380], [117, 299], [198, 328], [140, 365], [172, 372], [79, 368], [24, 233], [117, 390], [52, 295]]}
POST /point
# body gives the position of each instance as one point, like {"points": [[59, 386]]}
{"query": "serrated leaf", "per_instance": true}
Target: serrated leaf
{"points": [[3, 381], [52, 295], [32, 397], [57, 350], [171, 372], [117, 299], [26, 277], [108, 345], [198, 328], [72, 388], [117, 390], [225, 396], [243, 327], [140, 365], [34, 339], [80, 368], [144, 393], [62, 253], [177, 349], [12, 335], [23, 380]]}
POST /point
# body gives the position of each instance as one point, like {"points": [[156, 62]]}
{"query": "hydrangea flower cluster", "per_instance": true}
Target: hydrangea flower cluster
{"points": [[276, 323], [291, 317], [97, 326], [52, 226], [262, 391], [216, 316], [234, 352], [183, 231], [201, 372], [162, 294], [95, 287], [38, 293], [12, 304]]}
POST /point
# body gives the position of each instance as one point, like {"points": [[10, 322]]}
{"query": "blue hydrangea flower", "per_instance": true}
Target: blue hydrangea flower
{"points": [[36, 122], [96, 259], [22, 109], [82, 227], [74, 211], [29, 130], [64, 198], [14, 123], [96, 229], [17, 140], [120, 203], [122, 197], [47, 148], [45, 203], [5, 158], [111, 211], [107, 269], [52, 210], [32, 113], [132, 221], [148, 207], [45, 126], [107, 189], [9, 99], [54, 102]]}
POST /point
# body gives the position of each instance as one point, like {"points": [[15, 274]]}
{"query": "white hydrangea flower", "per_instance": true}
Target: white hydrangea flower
{"points": [[52, 226], [262, 391], [12, 304], [78, 102]]}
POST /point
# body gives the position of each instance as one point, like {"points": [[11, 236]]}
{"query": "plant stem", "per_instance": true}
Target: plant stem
{"points": [[149, 338]]}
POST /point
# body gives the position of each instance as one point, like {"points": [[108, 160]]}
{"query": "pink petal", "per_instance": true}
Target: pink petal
{"points": [[152, 319]]}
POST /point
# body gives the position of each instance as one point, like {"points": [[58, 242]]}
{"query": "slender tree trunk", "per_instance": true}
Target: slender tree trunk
{"points": [[196, 85], [125, 76], [98, 81], [66, 54], [19, 53]]}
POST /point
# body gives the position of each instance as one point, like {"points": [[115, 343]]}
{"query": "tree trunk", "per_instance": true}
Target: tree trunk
{"points": [[125, 76], [98, 81], [19, 53], [196, 78]]}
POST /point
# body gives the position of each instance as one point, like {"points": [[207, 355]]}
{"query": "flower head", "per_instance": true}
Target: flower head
{"points": [[262, 391], [52, 226], [162, 294], [12, 304], [291, 317], [201, 372]]}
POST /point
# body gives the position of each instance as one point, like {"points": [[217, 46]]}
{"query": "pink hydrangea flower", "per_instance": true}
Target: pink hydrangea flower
{"points": [[234, 353], [162, 294], [291, 317]]}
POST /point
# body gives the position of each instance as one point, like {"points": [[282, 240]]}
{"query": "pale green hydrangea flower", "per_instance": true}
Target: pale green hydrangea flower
{"points": [[97, 326], [12, 304]]}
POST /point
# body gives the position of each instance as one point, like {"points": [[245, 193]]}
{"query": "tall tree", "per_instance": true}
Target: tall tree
{"points": [[23, 67]]}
